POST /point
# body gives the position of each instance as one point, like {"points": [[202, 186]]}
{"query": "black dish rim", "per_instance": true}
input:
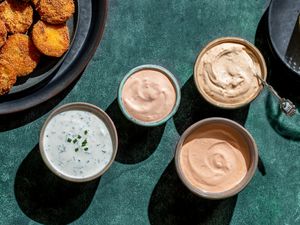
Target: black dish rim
{"points": [[272, 42]]}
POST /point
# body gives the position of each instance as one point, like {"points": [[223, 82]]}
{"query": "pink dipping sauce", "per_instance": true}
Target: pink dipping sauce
{"points": [[214, 158], [149, 95]]}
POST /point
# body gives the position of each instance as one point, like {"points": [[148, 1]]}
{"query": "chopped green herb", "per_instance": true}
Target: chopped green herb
{"points": [[78, 136], [75, 140], [85, 149], [85, 132], [84, 143], [69, 140], [76, 149]]}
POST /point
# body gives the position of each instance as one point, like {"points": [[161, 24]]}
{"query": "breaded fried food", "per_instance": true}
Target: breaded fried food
{"points": [[7, 77], [20, 52], [35, 2], [51, 40], [3, 33], [55, 11], [16, 15]]}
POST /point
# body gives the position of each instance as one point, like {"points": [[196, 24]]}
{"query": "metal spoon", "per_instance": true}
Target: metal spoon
{"points": [[286, 105]]}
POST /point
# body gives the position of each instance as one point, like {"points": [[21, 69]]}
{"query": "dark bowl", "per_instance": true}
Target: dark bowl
{"points": [[284, 32]]}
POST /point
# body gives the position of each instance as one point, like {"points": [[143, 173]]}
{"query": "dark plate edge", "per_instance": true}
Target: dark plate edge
{"points": [[271, 42]]}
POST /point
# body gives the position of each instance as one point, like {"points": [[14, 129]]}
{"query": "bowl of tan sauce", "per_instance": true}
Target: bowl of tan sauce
{"points": [[216, 158], [149, 95], [225, 72]]}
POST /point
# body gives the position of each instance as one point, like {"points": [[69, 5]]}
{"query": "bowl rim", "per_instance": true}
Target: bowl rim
{"points": [[252, 167], [174, 82], [236, 40], [87, 107]]}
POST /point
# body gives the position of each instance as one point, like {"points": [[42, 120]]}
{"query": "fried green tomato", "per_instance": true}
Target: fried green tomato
{"points": [[3, 33], [16, 15], [55, 11], [51, 40], [20, 51], [7, 77]]}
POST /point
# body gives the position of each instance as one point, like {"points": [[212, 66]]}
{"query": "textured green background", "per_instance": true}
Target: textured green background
{"points": [[141, 187]]}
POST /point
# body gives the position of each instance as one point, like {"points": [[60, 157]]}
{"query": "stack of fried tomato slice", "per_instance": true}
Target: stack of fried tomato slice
{"points": [[23, 41]]}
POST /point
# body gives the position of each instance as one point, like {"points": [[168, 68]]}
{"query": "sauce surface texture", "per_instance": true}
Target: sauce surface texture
{"points": [[214, 158], [148, 95], [77, 144], [226, 74]]}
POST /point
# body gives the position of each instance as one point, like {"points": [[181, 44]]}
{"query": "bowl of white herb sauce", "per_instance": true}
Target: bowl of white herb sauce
{"points": [[78, 142]]}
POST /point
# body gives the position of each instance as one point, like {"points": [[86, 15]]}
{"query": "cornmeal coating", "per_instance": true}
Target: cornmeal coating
{"points": [[7, 77], [20, 52], [55, 11], [3, 33], [51, 40], [35, 2], [17, 15]]}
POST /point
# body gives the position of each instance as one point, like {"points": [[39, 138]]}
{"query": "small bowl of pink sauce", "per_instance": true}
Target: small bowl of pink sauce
{"points": [[149, 95], [216, 158]]}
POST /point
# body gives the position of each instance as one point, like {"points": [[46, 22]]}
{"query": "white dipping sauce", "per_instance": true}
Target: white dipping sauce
{"points": [[77, 144]]}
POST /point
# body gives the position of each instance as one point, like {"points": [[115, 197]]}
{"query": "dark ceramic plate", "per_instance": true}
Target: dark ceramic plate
{"points": [[284, 30], [53, 75]]}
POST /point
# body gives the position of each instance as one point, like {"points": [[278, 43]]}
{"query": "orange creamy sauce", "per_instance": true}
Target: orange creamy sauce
{"points": [[214, 158], [148, 95]]}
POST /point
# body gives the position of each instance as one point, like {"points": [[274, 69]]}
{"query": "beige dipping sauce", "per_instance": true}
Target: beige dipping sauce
{"points": [[148, 95], [214, 158], [226, 74]]}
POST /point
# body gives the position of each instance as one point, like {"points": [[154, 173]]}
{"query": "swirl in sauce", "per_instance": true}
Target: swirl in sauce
{"points": [[214, 158], [226, 74], [148, 95]]}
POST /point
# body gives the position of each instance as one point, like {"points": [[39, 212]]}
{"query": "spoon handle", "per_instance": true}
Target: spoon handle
{"points": [[270, 88], [286, 105]]}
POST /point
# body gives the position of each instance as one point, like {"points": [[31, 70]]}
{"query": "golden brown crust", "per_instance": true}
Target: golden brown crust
{"points": [[35, 2], [3, 33], [20, 51], [7, 77], [51, 40], [55, 11], [16, 15]]}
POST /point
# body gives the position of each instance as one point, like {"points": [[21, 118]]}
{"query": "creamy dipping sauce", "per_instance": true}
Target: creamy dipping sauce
{"points": [[148, 95], [214, 158], [77, 144], [226, 74]]}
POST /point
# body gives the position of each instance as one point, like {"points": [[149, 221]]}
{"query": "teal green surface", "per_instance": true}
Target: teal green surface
{"points": [[141, 186]]}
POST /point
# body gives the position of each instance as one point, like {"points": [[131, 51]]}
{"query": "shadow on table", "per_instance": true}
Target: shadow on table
{"points": [[46, 198], [261, 167], [15, 120], [284, 81], [172, 203], [194, 107], [136, 143]]}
